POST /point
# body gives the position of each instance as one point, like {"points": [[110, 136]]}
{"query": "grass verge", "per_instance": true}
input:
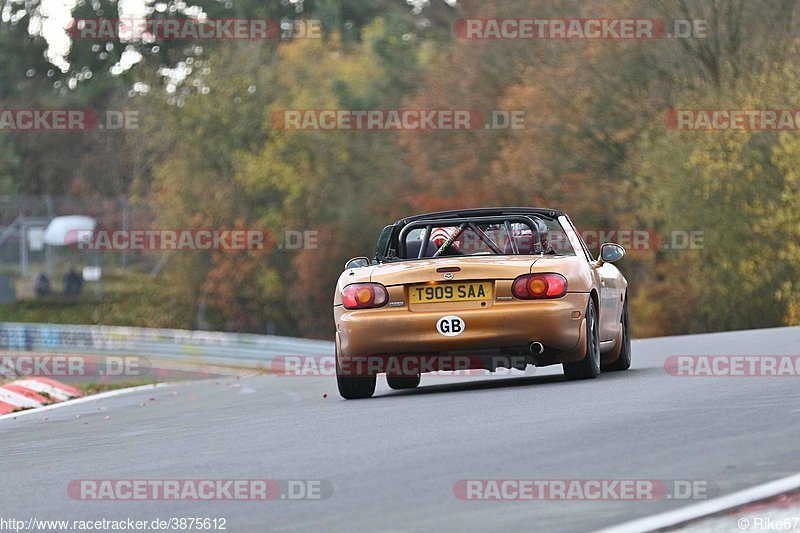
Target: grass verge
{"points": [[96, 388]]}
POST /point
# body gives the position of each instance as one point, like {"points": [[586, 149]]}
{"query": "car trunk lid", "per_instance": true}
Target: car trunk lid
{"points": [[461, 268]]}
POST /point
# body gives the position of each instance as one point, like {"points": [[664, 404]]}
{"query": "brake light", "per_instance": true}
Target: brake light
{"points": [[539, 286], [364, 296]]}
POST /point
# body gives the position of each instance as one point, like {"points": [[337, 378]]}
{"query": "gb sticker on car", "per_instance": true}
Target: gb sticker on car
{"points": [[450, 325]]}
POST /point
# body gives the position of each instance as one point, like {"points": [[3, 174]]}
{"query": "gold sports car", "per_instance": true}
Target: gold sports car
{"points": [[479, 289]]}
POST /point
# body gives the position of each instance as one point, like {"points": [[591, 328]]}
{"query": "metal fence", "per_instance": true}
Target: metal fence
{"points": [[206, 347], [23, 216]]}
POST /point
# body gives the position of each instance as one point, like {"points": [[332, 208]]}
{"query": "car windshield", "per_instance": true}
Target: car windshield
{"points": [[536, 236]]}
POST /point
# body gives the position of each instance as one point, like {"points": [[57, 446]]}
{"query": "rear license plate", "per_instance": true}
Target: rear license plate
{"points": [[450, 292]]}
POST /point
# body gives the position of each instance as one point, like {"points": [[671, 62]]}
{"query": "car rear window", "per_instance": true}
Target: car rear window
{"points": [[489, 239]]}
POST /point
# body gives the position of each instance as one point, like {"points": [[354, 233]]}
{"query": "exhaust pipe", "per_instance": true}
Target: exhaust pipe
{"points": [[536, 348]]}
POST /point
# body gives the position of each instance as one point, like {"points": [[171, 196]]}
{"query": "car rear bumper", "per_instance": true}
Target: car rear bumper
{"points": [[557, 324]]}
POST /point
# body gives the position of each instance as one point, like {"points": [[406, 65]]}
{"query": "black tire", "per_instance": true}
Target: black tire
{"points": [[354, 387], [402, 382], [623, 362], [589, 366]]}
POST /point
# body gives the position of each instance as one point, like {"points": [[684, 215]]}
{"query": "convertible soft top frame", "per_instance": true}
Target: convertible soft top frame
{"points": [[463, 224], [392, 241]]}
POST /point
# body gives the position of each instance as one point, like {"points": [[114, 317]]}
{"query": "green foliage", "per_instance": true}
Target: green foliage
{"points": [[739, 188], [128, 299]]}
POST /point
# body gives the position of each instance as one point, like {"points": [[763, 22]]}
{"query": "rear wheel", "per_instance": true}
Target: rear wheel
{"points": [[589, 366], [402, 382], [623, 362], [354, 387]]}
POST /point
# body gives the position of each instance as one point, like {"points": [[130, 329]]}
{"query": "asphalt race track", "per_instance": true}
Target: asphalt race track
{"points": [[393, 460]]}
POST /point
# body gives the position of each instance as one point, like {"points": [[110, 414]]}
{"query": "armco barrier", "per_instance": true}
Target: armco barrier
{"points": [[211, 347]]}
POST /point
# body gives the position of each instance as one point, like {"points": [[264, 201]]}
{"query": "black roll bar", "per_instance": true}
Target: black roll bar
{"points": [[463, 223]]}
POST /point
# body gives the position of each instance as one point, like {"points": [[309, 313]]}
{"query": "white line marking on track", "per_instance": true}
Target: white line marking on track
{"points": [[709, 507]]}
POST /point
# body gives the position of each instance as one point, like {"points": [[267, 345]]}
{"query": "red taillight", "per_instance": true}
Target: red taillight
{"points": [[537, 286], [364, 296]]}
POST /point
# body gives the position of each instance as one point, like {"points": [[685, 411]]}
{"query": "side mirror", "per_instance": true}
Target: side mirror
{"points": [[357, 262], [610, 252]]}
